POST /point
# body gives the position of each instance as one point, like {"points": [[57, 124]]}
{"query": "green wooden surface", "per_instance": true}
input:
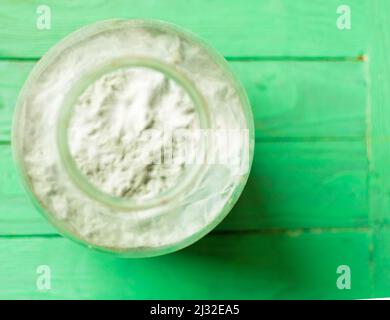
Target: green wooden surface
{"points": [[219, 266], [236, 28], [318, 194]]}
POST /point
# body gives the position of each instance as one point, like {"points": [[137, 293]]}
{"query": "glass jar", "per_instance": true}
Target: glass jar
{"points": [[131, 226]]}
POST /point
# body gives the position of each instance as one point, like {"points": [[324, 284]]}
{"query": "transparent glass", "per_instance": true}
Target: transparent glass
{"points": [[175, 201]]}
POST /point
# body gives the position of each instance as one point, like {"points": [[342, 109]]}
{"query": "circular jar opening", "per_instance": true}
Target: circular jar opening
{"points": [[79, 104], [128, 132]]}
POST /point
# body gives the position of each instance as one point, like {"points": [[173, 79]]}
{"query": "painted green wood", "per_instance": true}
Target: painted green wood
{"points": [[251, 266], [378, 141], [318, 196], [289, 99], [304, 185], [300, 155], [286, 189], [12, 76], [236, 28], [379, 101], [381, 260], [293, 99]]}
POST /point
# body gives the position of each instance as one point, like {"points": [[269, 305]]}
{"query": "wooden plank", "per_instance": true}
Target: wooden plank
{"points": [[17, 213], [289, 99], [378, 137], [12, 76], [310, 170], [276, 266], [20, 217], [291, 103], [379, 110], [295, 100], [292, 185], [380, 249], [304, 184], [241, 28]]}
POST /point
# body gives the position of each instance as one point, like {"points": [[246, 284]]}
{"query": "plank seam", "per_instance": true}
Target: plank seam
{"points": [[296, 139], [371, 169], [359, 58], [313, 139], [292, 232]]}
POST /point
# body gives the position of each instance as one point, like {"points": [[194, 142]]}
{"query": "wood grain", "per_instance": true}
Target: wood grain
{"points": [[304, 185], [381, 260], [310, 135], [286, 189], [378, 71], [297, 113], [252, 266], [289, 99], [318, 195], [235, 28]]}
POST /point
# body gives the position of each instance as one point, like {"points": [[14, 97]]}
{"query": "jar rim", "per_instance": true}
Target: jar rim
{"points": [[66, 112]]}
